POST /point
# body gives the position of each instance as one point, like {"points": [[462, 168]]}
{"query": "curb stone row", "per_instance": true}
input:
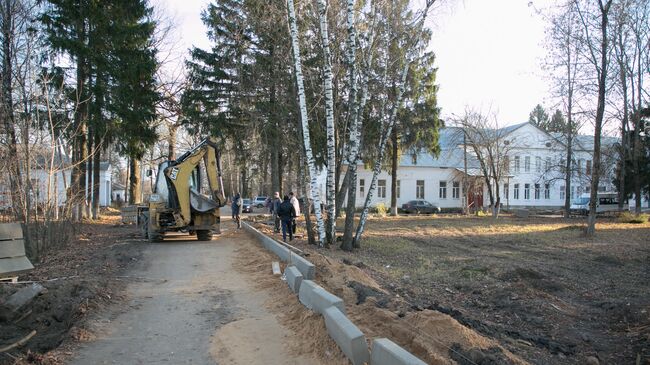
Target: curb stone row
{"points": [[299, 275]]}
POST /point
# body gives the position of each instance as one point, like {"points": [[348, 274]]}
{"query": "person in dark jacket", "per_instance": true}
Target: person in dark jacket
{"points": [[275, 205], [236, 209], [287, 213]]}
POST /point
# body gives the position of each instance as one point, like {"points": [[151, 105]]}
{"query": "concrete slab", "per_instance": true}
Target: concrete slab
{"points": [[314, 297], [294, 278], [19, 300], [387, 352], [348, 336], [307, 269]]}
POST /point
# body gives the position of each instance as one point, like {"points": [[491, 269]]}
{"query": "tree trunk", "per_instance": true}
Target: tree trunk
{"points": [[567, 168], [637, 134], [330, 194], [343, 189], [600, 113], [96, 178], [9, 121], [306, 206], [393, 174], [135, 185], [304, 121], [88, 195], [171, 141]]}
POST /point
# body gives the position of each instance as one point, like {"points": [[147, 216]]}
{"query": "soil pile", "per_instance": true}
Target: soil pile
{"points": [[80, 277]]}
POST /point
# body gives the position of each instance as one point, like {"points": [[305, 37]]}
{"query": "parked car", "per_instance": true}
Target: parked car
{"points": [[247, 206], [420, 206], [259, 201]]}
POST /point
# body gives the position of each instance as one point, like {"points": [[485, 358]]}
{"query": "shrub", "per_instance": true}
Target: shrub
{"points": [[628, 217], [381, 209]]}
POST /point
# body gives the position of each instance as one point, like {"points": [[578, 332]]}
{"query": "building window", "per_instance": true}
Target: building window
{"points": [[362, 186], [506, 191], [573, 192], [588, 167], [579, 166], [547, 168], [537, 192], [602, 189], [538, 164], [563, 165], [443, 190], [455, 190], [527, 163], [527, 191], [562, 192], [419, 189], [579, 191], [515, 192], [517, 163], [547, 191], [397, 188], [506, 164], [381, 189]]}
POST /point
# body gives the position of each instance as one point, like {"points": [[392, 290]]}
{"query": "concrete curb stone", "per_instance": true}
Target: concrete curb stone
{"points": [[348, 336], [294, 278], [387, 352], [314, 297]]}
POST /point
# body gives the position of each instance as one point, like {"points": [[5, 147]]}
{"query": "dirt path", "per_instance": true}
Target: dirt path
{"points": [[187, 305]]}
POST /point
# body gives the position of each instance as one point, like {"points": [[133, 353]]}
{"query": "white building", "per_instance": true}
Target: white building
{"points": [[533, 178], [60, 181]]}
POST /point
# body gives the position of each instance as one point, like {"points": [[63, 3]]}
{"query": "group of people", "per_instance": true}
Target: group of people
{"points": [[284, 212]]}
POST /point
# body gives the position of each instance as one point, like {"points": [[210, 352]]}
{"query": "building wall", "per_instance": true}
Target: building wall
{"points": [[543, 153], [40, 179], [408, 177]]}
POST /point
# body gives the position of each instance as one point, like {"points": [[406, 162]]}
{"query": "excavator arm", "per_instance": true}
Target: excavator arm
{"points": [[180, 171]]}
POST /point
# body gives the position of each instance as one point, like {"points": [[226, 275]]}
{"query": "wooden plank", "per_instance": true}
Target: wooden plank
{"points": [[10, 231], [14, 265], [12, 248]]}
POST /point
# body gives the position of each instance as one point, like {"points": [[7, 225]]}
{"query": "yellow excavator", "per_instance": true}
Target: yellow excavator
{"points": [[178, 202]]}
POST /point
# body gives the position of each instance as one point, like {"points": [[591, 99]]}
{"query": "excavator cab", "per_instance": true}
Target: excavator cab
{"points": [[182, 199]]}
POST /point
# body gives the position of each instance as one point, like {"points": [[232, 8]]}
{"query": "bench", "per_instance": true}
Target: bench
{"points": [[13, 260]]}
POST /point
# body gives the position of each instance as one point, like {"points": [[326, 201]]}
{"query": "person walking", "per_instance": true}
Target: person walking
{"points": [[287, 214], [296, 206], [236, 209], [275, 205]]}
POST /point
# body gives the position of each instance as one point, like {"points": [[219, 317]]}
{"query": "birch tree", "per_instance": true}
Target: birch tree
{"points": [[356, 107], [330, 193], [304, 122]]}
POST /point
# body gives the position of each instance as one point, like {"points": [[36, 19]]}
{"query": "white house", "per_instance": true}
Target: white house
{"points": [[533, 175], [60, 181]]}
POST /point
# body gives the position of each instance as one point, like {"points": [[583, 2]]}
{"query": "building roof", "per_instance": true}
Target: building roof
{"points": [[452, 155]]}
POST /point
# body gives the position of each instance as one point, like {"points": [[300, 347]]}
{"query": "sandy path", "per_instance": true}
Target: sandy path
{"points": [[188, 306]]}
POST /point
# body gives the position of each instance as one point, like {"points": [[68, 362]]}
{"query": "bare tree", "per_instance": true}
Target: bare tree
{"points": [[566, 68], [595, 25], [490, 146]]}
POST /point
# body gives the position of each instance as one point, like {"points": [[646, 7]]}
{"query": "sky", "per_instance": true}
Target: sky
{"points": [[488, 53]]}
